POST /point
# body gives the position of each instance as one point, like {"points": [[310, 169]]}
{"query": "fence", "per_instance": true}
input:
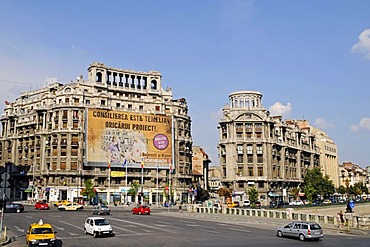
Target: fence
{"points": [[352, 220]]}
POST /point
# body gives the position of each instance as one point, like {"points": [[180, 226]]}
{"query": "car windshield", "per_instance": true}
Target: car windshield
{"points": [[45, 230], [315, 227], [101, 222]]}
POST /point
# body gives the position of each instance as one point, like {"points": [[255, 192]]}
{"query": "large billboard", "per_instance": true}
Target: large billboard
{"points": [[126, 138]]}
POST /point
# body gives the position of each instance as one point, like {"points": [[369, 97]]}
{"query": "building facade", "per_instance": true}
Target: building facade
{"points": [[329, 162], [200, 164], [119, 128], [261, 151]]}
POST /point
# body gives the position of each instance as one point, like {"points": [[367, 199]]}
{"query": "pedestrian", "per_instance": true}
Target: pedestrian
{"points": [[340, 219], [180, 208]]}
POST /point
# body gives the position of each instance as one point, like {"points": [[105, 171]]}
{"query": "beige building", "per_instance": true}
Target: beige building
{"points": [[328, 152], [103, 128], [261, 151], [200, 164]]}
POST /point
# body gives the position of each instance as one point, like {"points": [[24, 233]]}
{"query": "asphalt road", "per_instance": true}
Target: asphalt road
{"points": [[168, 228]]}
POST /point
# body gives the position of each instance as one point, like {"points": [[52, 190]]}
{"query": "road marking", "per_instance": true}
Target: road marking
{"points": [[237, 229], [143, 225], [19, 229], [69, 224], [210, 231]]}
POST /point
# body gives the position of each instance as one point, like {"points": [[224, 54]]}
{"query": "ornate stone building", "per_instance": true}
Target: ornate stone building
{"points": [[55, 138], [261, 151]]}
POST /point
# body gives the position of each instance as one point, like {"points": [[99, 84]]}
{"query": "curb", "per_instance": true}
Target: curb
{"points": [[7, 241]]}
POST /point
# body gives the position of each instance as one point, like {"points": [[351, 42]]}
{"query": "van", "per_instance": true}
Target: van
{"points": [[246, 203]]}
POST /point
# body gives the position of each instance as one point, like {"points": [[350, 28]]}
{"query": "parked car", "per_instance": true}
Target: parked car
{"points": [[301, 230], [232, 204], [61, 202], [327, 201], [40, 234], [98, 226], [141, 209], [296, 203], [257, 204], [42, 205], [71, 207], [13, 207], [278, 204], [101, 209], [246, 203]]}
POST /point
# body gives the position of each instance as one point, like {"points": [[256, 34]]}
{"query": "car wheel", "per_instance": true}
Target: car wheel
{"points": [[280, 234], [96, 234], [139, 213], [301, 237], [18, 210], [108, 213]]}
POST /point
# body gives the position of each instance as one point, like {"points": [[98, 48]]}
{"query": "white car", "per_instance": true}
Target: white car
{"points": [[246, 203], [70, 206], [98, 226], [296, 203]]}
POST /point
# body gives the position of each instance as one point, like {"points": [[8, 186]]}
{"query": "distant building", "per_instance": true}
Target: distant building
{"points": [[262, 151], [108, 128], [200, 165], [328, 151], [352, 174]]}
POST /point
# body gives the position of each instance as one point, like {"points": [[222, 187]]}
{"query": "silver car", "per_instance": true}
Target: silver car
{"points": [[101, 209], [301, 230]]}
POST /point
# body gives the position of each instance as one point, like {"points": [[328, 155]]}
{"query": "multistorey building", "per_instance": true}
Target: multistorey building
{"points": [[119, 128], [328, 152], [261, 151]]}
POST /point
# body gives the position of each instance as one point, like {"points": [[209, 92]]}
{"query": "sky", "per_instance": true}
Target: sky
{"points": [[309, 59]]}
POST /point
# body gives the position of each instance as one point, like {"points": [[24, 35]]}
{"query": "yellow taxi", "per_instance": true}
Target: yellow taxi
{"points": [[61, 202], [71, 206], [40, 234], [233, 204]]}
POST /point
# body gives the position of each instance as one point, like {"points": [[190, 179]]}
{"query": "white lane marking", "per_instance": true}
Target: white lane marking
{"points": [[19, 229], [69, 224], [204, 230], [143, 225], [237, 229]]}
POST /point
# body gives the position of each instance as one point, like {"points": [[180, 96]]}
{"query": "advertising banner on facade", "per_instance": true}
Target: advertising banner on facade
{"points": [[119, 139]]}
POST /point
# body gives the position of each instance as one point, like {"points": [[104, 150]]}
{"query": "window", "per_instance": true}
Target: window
{"points": [[239, 136], [249, 149], [250, 158], [157, 108], [259, 149], [240, 149], [261, 184], [240, 158], [102, 102], [250, 171], [259, 159], [260, 171]]}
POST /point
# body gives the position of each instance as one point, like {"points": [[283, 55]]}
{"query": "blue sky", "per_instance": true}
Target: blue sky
{"points": [[309, 59]]}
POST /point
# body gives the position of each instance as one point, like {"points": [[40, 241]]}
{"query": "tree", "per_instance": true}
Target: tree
{"points": [[224, 192], [133, 191], [253, 196], [295, 192], [341, 190], [89, 190], [315, 184]]}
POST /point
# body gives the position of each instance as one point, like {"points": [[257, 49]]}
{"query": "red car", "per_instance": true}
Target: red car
{"points": [[42, 205], [142, 209]]}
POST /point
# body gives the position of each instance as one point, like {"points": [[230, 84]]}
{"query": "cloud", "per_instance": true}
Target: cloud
{"points": [[364, 125], [363, 44], [278, 109], [321, 123]]}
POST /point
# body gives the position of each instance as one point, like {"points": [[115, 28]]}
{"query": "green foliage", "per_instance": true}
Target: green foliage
{"points": [[89, 189], [253, 196], [341, 190], [316, 184], [133, 191]]}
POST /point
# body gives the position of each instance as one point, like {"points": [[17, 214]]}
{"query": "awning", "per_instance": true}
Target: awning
{"points": [[28, 190]]}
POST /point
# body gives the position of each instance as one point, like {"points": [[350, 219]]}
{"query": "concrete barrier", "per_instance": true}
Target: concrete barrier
{"points": [[352, 220]]}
